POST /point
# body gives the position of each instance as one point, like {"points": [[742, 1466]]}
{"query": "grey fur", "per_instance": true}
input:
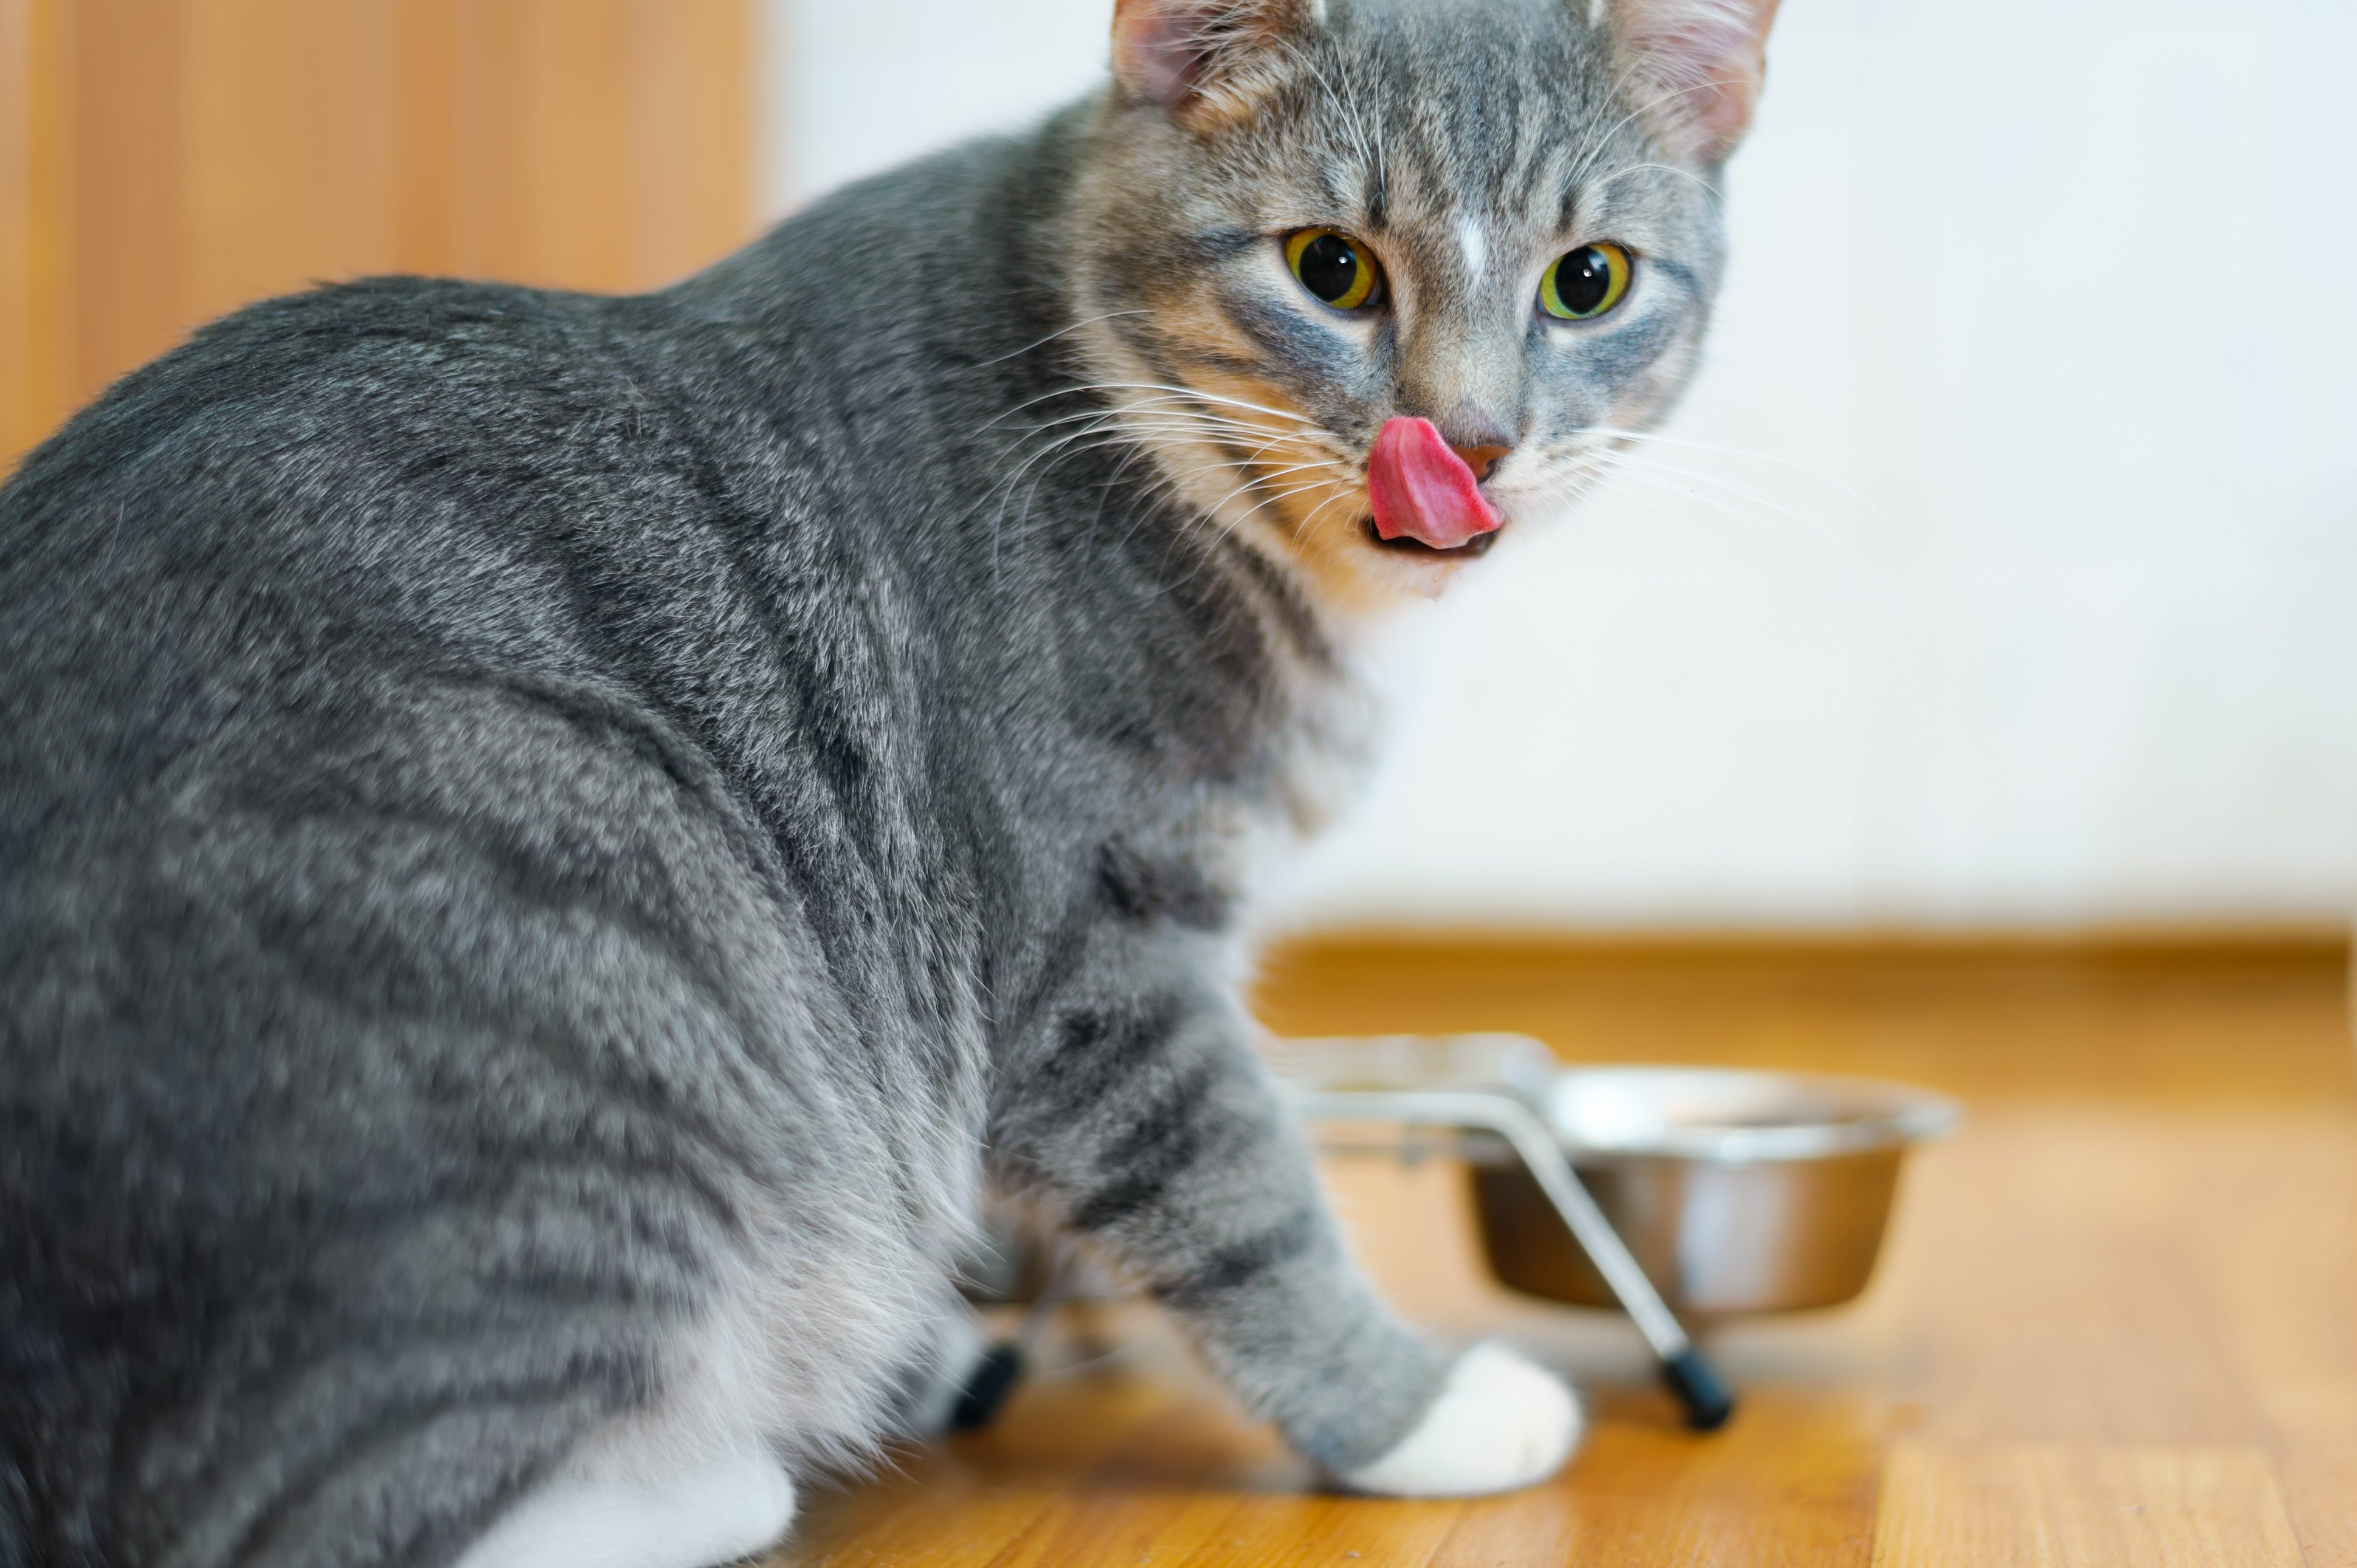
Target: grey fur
{"points": [[546, 841]]}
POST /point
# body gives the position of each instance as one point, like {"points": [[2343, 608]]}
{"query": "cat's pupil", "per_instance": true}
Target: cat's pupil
{"points": [[1330, 266], [1583, 279]]}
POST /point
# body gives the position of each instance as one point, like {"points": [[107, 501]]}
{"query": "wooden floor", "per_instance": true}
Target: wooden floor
{"points": [[2116, 1321]]}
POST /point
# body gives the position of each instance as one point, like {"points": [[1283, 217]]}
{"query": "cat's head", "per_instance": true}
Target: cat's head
{"points": [[1376, 280]]}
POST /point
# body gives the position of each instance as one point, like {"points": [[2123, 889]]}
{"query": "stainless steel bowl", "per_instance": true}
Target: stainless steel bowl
{"points": [[1737, 1192]]}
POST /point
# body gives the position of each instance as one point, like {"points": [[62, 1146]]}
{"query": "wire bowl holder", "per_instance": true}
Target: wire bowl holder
{"points": [[1666, 1191]]}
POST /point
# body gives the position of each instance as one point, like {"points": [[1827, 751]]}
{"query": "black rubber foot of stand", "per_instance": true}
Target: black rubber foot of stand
{"points": [[1698, 1387]]}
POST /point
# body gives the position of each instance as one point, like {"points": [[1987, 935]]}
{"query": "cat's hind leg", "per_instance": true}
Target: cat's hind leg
{"points": [[621, 1511]]}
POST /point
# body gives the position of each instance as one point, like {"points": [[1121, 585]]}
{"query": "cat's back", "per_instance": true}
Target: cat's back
{"points": [[473, 565], [333, 473], [435, 472]]}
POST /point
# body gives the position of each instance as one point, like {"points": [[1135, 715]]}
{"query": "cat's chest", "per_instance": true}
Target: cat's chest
{"points": [[1321, 758]]}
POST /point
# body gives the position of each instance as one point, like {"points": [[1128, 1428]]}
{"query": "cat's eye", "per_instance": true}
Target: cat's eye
{"points": [[1334, 267], [1583, 284]]}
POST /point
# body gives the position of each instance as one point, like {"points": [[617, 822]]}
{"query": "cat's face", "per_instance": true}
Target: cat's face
{"points": [[1305, 224]]}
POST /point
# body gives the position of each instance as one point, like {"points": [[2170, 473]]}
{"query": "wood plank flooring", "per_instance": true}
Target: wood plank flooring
{"points": [[2115, 1323]]}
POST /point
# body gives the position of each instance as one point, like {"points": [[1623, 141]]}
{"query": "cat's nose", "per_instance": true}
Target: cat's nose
{"points": [[1483, 460]]}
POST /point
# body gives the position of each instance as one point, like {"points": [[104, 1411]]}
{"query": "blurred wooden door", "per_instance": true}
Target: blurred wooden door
{"points": [[163, 161]]}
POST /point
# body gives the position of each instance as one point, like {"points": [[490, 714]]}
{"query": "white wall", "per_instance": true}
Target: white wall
{"points": [[2006, 570], [861, 85]]}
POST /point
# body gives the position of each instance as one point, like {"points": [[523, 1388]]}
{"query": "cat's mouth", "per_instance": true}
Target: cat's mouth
{"points": [[1404, 545], [1424, 494]]}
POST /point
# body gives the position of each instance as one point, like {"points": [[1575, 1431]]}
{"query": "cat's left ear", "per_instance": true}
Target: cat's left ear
{"points": [[1698, 65], [1206, 61]]}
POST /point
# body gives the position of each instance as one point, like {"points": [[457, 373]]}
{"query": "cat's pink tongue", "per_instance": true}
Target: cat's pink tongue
{"points": [[1423, 490]]}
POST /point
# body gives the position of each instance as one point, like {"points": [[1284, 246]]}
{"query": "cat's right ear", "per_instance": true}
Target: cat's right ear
{"points": [[1205, 62], [1698, 65]]}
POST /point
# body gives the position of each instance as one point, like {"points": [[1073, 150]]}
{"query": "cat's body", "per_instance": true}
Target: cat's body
{"points": [[547, 843]]}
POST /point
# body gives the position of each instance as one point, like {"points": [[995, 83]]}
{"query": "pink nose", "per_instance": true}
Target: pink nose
{"points": [[1424, 489], [1483, 460]]}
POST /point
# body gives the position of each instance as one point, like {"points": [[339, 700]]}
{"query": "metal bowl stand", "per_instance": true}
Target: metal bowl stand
{"points": [[1689, 1374]]}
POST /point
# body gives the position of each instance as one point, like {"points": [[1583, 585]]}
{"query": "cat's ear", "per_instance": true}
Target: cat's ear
{"points": [[1205, 61], [1697, 65]]}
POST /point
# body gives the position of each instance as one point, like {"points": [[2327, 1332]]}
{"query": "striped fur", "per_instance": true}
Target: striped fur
{"points": [[550, 845]]}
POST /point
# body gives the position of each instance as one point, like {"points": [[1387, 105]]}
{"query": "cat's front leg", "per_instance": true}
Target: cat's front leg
{"points": [[1144, 1118]]}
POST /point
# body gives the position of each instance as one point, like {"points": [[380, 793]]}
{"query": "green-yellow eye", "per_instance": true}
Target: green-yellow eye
{"points": [[1587, 283], [1334, 267]]}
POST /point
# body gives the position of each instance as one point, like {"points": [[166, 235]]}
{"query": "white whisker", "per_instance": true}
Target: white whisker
{"points": [[1648, 437], [1058, 332]]}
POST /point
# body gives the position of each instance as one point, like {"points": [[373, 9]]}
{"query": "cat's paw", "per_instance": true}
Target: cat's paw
{"points": [[1500, 1422]]}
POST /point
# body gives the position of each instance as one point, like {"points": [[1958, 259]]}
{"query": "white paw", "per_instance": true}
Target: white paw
{"points": [[725, 1508], [1500, 1422]]}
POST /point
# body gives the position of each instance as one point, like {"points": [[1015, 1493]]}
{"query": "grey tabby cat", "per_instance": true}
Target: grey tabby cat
{"points": [[550, 845]]}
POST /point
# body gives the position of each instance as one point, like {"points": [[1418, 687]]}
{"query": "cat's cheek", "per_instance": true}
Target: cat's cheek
{"points": [[1499, 1424]]}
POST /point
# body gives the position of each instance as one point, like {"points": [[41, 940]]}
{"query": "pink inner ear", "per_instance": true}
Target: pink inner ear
{"points": [[1703, 59], [1157, 51], [1178, 52]]}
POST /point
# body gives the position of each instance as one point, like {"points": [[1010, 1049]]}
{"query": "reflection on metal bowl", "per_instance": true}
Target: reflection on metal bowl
{"points": [[1737, 1192]]}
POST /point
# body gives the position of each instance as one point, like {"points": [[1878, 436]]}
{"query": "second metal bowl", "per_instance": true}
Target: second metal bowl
{"points": [[1737, 1192]]}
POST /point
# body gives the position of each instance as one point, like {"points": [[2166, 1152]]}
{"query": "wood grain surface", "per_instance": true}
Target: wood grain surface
{"points": [[2114, 1325], [164, 161], [2080, 1504]]}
